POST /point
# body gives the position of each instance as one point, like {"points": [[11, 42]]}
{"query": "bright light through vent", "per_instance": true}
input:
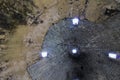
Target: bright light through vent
{"points": [[112, 55], [74, 51], [44, 54], [75, 21]]}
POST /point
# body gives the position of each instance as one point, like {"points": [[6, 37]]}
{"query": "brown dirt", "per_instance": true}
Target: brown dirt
{"points": [[21, 53]]}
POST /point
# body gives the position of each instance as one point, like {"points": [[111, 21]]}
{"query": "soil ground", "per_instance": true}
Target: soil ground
{"points": [[25, 44]]}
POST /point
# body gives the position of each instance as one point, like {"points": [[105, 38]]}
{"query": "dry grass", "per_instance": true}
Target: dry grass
{"points": [[15, 44], [15, 56], [18, 54]]}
